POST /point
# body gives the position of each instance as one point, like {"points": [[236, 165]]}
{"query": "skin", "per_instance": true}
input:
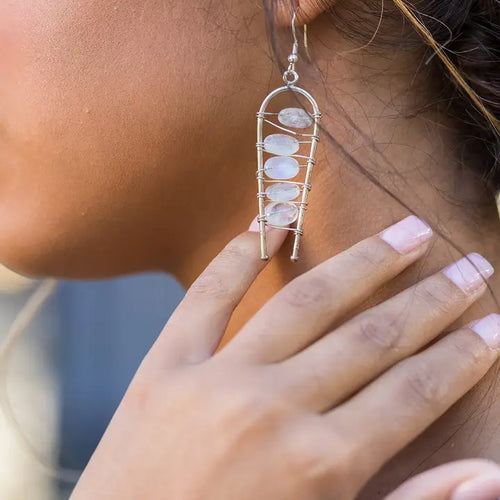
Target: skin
{"points": [[289, 423], [127, 144]]}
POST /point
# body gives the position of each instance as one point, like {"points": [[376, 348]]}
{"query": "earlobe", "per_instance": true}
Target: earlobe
{"points": [[307, 10], [311, 9]]}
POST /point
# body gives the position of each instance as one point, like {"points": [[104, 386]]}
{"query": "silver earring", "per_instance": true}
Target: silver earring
{"points": [[282, 156]]}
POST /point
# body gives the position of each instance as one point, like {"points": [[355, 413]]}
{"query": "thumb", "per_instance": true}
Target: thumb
{"points": [[462, 480]]}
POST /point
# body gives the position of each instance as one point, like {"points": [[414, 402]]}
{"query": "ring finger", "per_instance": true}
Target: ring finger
{"points": [[414, 393], [348, 358]]}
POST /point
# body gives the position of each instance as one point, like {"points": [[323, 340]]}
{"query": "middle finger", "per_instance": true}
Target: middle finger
{"points": [[307, 306], [352, 355]]}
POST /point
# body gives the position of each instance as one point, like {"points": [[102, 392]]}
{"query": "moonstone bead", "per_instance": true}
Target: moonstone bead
{"points": [[281, 144], [282, 191], [281, 214], [281, 167], [295, 118]]}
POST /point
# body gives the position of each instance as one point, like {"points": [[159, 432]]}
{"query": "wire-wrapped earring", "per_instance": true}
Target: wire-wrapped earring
{"points": [[282, 151]]}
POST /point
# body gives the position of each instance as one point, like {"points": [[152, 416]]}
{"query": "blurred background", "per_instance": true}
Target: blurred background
{"points": [[70, 370]]}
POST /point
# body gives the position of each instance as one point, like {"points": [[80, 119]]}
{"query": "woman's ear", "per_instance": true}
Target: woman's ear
{"points": [[307, 11]]}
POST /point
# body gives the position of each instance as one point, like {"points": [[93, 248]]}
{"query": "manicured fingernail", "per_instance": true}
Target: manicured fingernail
{"points": [[488, 328], [469, 273], [407, 235], [481, 488], [255, 225]]}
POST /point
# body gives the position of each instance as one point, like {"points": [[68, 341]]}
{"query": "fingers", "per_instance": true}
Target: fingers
{"points": [[484, 487], [415, 392], [310, 303], [196, 327], [462, 480], [343, 361]]}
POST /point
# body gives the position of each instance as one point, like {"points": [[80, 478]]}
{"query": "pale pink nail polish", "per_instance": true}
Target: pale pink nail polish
{"points": [[407, 235], [469, 273], [255, 225], [485, 487], [488, 328]]}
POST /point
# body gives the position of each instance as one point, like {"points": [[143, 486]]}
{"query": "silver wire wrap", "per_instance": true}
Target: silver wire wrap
{"points": [[290, 78]]}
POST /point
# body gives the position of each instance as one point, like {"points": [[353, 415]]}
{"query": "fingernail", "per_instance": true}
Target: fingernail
{"points": [[255, 225], [481, 488], [488, 328], [469, 272], [407, 235]]}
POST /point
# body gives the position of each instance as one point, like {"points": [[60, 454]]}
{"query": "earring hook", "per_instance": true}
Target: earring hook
{"points": [[294, 31], [290, 76]]}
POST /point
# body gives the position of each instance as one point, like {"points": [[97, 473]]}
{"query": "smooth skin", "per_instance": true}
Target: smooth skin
{"points": [[127, 144], [299, 415]]}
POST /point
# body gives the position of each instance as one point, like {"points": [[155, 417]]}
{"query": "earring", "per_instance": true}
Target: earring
{"points": [[282, 156]]}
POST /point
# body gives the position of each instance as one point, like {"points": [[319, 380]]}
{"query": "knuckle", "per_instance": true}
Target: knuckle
{"points": [[306, 457], [437, 294], [215, 280], [236, 250], [306, 292], [210, 283], [422, 387], [339, 464], [143, 391], [251, 405], [369, 253], [380, 332], [249, 417], [247, 409]]}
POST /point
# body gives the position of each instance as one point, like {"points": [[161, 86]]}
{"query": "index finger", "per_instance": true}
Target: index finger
{"points": [[196, 327]]}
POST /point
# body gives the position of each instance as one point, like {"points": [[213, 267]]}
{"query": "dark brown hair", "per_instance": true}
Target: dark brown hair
{"points": [[460, 41], [466, 38]]}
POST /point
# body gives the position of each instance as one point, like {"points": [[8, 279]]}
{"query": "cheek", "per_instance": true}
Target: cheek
{"points": [[106, 108], [98, 98]]}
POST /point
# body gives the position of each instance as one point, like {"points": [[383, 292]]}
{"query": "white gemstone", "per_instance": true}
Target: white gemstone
{"points": [[281, 167], [281, 144], [281, 214], [295, 118], [282, 191]]}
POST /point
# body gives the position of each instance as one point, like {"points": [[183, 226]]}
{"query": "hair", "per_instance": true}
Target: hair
{"points": [[466, 37], [461, 46], [461, 43]]}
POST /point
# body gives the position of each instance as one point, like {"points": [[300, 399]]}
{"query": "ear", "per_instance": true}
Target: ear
{"points": [[307, 10]]}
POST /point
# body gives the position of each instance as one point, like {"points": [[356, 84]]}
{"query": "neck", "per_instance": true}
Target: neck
{"points": [[390, 166], [386, 169], [346, 206]]}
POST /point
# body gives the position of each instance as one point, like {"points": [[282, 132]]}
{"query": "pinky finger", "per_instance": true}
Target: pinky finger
{"points": [[462, 480]]}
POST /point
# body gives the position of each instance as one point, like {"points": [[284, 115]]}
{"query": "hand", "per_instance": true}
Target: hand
{"points": [[291, 408]]}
